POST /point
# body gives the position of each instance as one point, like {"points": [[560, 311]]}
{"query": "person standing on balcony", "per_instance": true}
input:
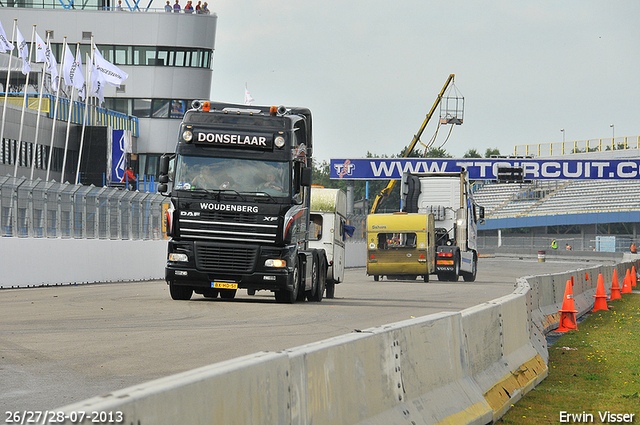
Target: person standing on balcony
{"points": [[130, 178]]}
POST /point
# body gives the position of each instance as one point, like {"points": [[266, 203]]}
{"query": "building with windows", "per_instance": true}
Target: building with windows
{"points": [[168, 57]]}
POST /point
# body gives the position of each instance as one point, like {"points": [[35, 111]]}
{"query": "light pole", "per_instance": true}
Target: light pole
{"points": [[562, 131], [613, 131]]}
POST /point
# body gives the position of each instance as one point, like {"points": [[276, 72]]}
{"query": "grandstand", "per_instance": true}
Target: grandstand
{"points": [[576, 212]]}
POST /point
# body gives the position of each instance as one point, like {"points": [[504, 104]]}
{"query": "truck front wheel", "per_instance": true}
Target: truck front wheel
{"points": [[290, 296], [180, 293], [471, 277]]}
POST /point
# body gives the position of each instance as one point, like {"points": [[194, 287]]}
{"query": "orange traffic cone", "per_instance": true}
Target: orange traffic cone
{"points": [[615, 287], [568, 316], [633, 276], [626, 283], [601, 296]]}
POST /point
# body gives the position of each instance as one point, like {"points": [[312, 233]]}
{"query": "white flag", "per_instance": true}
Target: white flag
{"points": [[41, 50], [5, 44], [78, 76], [52, 67], [247, 96], [23, 53], [97, 84], [68, 67], [113, 75]]}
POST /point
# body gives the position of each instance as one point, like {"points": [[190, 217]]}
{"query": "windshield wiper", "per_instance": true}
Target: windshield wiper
{"points": [[199, 191], [260, 194], [221, 191]]}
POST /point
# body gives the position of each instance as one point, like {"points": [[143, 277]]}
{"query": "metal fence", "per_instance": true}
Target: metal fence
{"points": [[39, 209], [586, 242]]}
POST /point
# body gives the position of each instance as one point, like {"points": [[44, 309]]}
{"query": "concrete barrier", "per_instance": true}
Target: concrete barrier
{"points": [[74, 261], [453, 367]]}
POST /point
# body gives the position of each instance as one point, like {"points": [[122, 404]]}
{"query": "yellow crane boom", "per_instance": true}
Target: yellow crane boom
{"points": [[387, 190]]}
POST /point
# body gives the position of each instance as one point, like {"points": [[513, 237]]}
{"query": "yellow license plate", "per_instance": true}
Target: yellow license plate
{"points": [[224, 285]]}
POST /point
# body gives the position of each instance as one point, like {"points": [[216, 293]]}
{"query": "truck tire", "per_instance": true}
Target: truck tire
{"points": [[314, 278], [471, 277], [286, 296], [376, 277], [321, 279], [426, 277], [453, 277], [331, 289], [180, 293]]}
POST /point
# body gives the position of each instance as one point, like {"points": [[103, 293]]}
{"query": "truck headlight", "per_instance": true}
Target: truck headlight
{"points": [[178, 257], [275, 262], [279, 141], [187, 135]]}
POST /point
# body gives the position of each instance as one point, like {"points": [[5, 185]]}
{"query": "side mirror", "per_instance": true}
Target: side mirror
{"points": [[480, 212], [164, 165], [164, 178], [162, 188], [306, 176]]}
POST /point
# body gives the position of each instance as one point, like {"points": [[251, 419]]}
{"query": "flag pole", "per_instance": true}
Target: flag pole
{"points": [[6, 87], [66, 139], [87, 82], [93, 116], [24, 100], [55, 111], [35, 141]]}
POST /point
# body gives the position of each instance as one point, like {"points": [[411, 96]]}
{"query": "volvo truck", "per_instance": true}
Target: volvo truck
{"points": [[448, 197]]}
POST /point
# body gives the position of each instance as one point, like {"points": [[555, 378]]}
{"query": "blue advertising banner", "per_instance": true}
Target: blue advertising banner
{"points": [[485, 169], [118, 154]]}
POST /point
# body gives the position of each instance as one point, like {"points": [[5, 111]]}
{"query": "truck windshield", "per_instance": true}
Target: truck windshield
{"points": [[239, 175]]}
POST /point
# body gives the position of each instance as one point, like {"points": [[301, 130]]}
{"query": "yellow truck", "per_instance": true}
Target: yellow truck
{"points": [[400, 246]]}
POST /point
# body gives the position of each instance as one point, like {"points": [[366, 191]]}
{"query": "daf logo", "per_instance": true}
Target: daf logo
{"points": [[190, 213], [270, 218]]}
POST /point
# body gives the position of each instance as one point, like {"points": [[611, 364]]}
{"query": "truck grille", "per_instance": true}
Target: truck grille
{"points": [[225, 227], [225, 258]]}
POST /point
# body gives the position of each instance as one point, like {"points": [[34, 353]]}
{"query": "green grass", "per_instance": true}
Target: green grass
{"points": [[591, 370]]}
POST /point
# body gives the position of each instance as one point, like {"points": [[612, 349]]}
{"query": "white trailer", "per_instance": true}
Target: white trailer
{"points": [[327, 231]]}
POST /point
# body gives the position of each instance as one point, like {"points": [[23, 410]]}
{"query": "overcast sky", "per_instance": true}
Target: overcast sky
{"points": [[371, 70]]}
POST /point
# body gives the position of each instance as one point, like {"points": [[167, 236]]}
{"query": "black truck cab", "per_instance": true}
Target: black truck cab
{"points": [[239, 203]]}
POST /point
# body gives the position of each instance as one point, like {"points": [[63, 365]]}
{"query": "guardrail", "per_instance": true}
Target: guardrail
{"points": [[463, 367], [578, 146], [95, 115]]}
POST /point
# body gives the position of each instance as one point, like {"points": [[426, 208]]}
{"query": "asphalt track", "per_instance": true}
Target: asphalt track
{"points": [[63, 344]]}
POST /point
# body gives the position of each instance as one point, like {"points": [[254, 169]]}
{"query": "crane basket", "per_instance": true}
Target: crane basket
{"points": [[452, 106]]}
